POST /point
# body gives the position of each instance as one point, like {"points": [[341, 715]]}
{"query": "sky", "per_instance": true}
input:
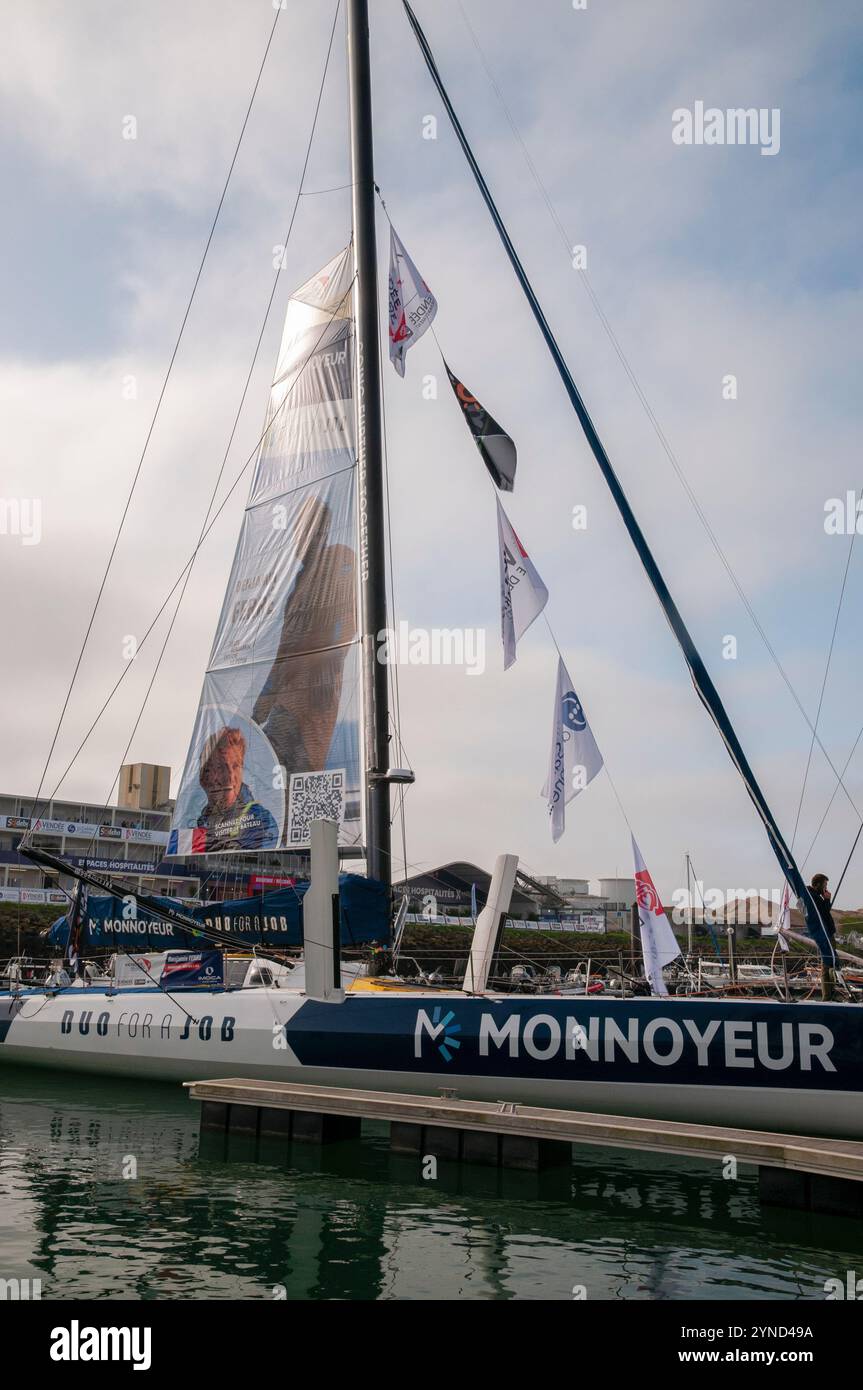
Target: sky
{"points": [[707, 260]]}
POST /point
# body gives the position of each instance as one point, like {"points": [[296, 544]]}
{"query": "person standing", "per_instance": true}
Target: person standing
{"points": [[821, 893]]}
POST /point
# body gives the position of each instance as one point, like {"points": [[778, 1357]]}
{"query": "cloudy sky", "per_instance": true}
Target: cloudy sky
{"points": [[706, 260]]}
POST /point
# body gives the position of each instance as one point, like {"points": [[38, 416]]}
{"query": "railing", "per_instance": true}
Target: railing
{"points": [[621, 973]]}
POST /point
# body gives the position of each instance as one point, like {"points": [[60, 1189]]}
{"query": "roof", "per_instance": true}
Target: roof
{"points": [[459, 875]]}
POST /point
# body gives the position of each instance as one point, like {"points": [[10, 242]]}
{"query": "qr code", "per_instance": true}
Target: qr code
{"points": [[314, 796]]}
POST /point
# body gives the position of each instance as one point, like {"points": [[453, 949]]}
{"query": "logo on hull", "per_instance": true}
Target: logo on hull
{"points": [[442, 1032]]}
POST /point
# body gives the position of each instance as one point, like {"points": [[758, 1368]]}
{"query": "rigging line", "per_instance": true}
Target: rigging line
{"points": [[239, 410], [315, 192], [179, 579], [824, 685], [654, 421], [550, 629], [699, 674], [833, 797], [845, 870], [155, 415]]}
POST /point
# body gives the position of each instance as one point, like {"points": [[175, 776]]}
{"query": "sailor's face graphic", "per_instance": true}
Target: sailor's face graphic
{"points": [[222, 776]]}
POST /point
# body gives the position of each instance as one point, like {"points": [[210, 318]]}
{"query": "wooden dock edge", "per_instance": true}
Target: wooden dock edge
{"points": [[794, 1170]]}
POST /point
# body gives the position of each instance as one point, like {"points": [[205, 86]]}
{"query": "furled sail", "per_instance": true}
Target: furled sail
{"points": [[276, 739], [268, 919]]}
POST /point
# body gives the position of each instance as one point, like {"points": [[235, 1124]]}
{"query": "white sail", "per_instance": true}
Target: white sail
{"points": [[276, 740]]}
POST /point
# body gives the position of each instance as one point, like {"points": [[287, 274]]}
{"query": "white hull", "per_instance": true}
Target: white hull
{"points": [[271, 1035]]}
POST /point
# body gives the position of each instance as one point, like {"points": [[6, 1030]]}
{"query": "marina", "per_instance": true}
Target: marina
{"points": [[379, 957], [517, 1136], [356, 1221]]}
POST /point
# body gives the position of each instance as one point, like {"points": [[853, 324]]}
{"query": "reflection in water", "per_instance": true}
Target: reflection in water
{"points": [[239, 1221]]}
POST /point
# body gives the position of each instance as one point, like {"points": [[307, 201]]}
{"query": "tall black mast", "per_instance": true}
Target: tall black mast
{"points": [[369, 449]]}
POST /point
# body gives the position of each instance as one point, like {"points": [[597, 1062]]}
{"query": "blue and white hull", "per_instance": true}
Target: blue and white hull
{"points": [[746, 1063]]}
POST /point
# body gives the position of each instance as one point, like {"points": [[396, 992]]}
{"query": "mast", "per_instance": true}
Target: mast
{"points": [[373, 599], [691, 907]]}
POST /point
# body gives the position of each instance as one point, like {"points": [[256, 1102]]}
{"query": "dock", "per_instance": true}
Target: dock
{"points": [[823, 1175]]}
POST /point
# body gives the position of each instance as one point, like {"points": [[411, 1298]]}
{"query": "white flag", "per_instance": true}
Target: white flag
{"points": [[658, 943], [412, 304], [574, 759], [522, 593]]}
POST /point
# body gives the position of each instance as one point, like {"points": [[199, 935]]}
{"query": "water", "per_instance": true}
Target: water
{"points": [[355, 1222]]}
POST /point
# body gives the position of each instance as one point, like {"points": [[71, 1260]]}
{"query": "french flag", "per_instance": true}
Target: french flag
{"points": [[187, 842]]}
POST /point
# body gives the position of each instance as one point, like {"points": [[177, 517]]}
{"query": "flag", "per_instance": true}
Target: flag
{"points": [[574, 759], [658, 942], [495, 446], [522, 593], [412, 304], [473, 902], [182, 842]]}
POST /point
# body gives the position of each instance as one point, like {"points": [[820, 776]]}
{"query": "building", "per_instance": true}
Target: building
{"points": [[619, 893], [144, 787], [127, 844], [566, 887], [447, 889]]}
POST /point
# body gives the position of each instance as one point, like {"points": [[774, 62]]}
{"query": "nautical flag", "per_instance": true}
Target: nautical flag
{"points": [[495, 446], [412, 304], [522, 593], [187, 842], [658, 943], [574, 759]]}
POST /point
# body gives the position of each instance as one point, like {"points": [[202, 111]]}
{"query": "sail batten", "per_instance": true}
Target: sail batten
{"points": [[276, 739]]}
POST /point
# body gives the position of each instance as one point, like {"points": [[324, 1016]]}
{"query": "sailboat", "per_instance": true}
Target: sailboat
{"points": [[291, 749]]}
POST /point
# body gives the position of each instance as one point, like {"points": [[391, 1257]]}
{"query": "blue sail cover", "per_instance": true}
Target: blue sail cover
{"points": [[268, 919]]}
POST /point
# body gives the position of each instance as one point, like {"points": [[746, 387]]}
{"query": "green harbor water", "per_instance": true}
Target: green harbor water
{"points": [[355, 1222]]}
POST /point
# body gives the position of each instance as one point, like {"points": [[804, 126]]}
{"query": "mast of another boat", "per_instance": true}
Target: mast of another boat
{"points": [[370, 494], [691, 906]]}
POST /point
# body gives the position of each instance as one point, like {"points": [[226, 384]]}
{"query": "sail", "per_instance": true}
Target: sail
{"points": [[276, 740], [267, 919]]}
